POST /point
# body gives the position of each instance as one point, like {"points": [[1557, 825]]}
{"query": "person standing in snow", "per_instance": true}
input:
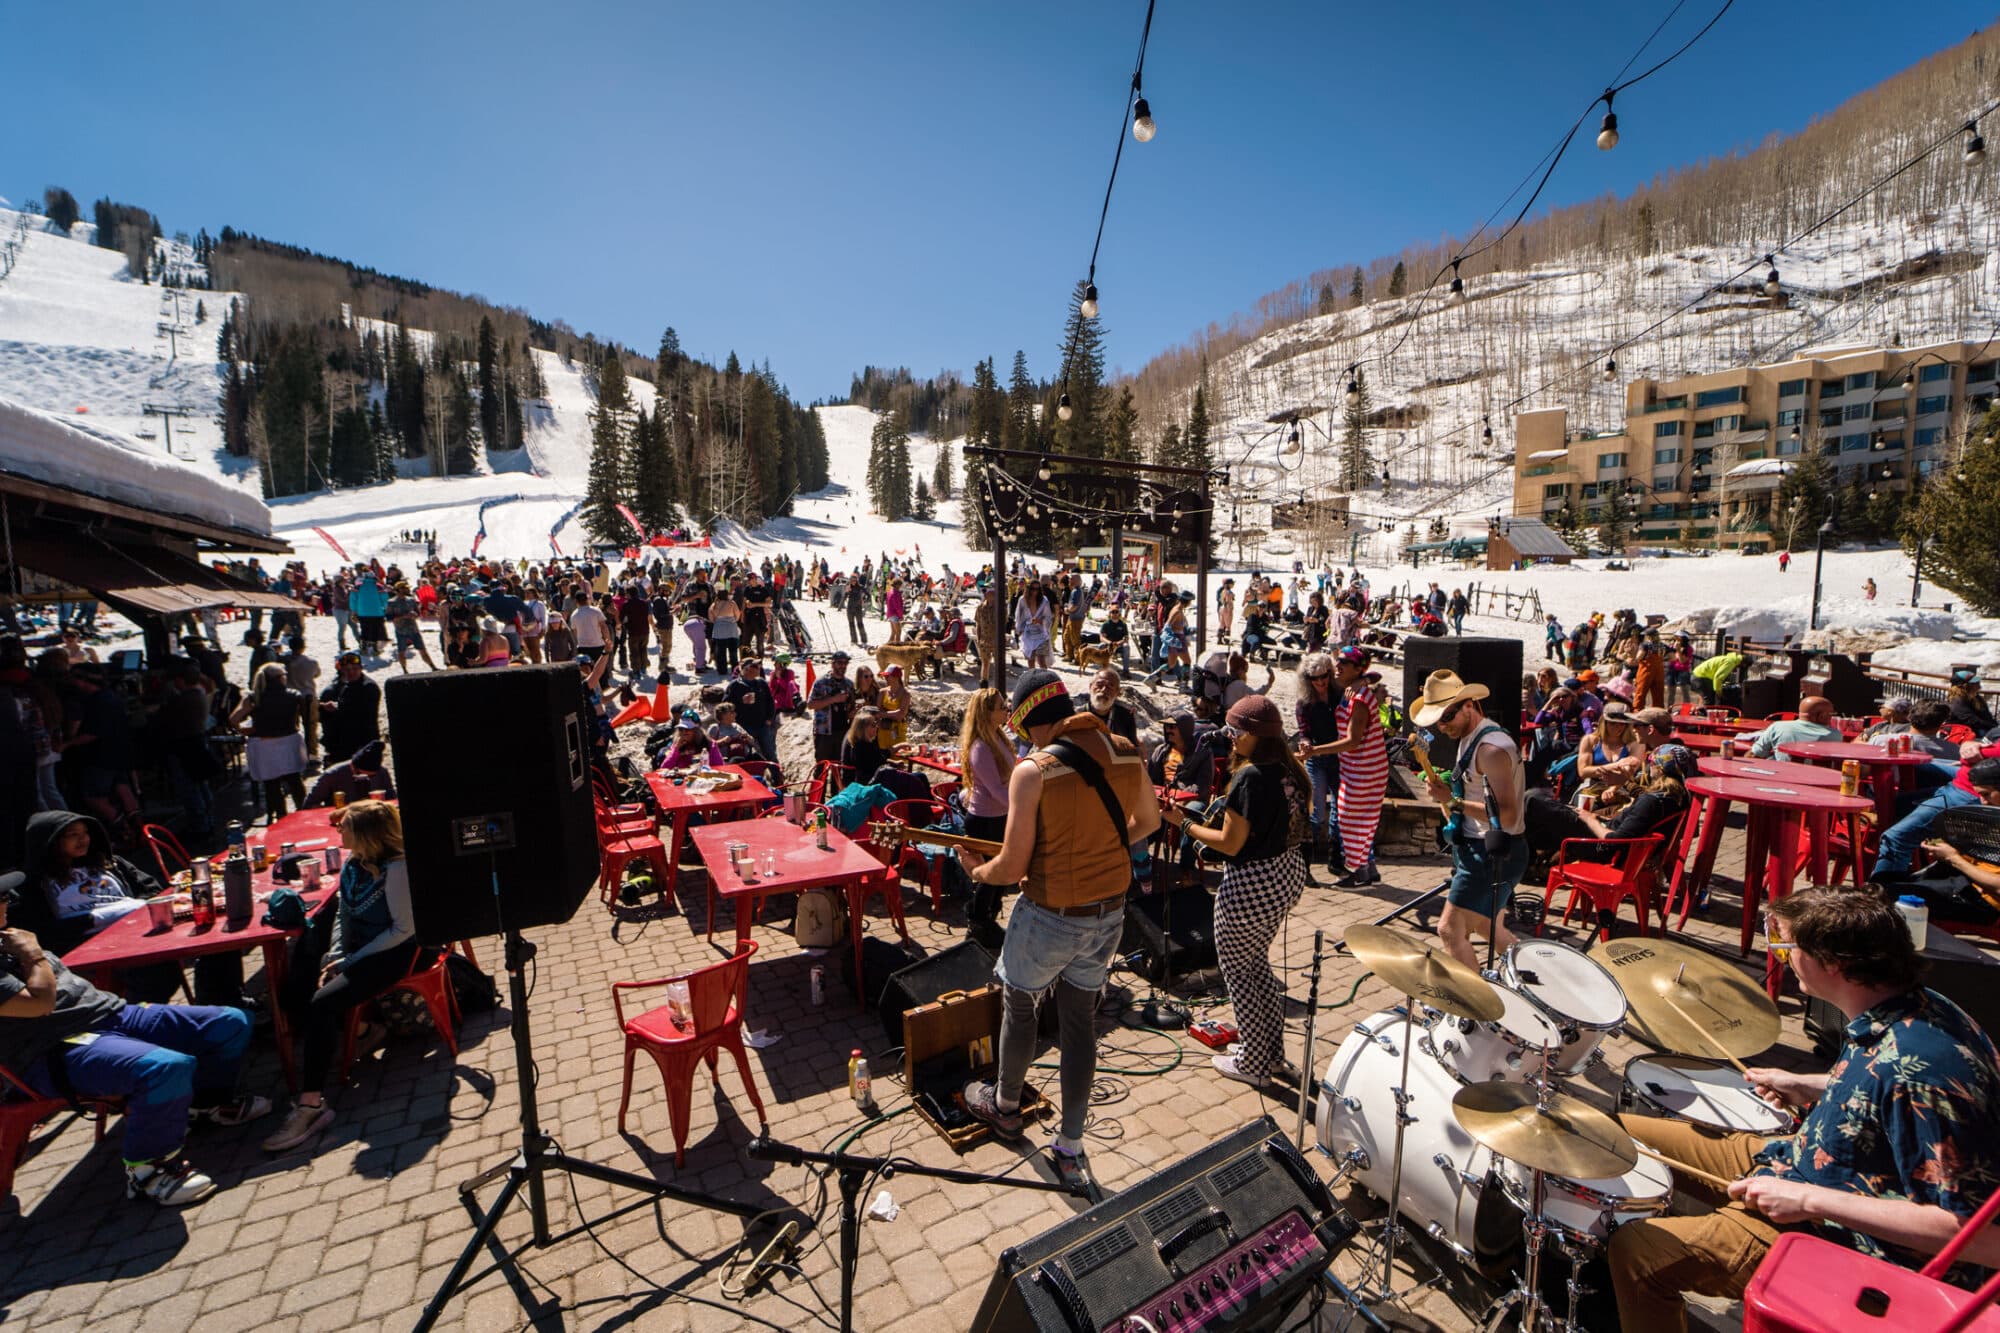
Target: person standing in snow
{"points": [[1784, 561]]}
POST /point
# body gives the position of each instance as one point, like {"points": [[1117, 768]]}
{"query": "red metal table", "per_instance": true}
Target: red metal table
{"points": [[1883, 771], [131, 942], [1702, 743], [1771, 770], [800, 864], [678, 805], [1776, 813], [1729, 726], [937, 764]]}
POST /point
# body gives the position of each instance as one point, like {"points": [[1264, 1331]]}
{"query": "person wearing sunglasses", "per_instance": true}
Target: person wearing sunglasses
{"points": [[1895, 1152], [1485, 796]]}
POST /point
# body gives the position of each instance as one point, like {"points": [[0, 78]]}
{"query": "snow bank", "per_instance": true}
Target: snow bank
{"points": [[85, 457], [1772, 622]]}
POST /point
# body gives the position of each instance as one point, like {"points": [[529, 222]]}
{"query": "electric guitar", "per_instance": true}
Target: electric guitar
{"points": [[1448, 834], [884, 834]]}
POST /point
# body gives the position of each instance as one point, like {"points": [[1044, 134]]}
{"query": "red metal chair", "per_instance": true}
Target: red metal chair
{"points": [[167, 851], [429, 982], [715, 1023], [23, 1110], [1605, 883], [617, 850], [1957, 733], [827, 779], [920, 813]]}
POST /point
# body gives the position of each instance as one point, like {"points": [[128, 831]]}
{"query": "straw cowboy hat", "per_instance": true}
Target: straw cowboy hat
{"points": [[1442, 689]]}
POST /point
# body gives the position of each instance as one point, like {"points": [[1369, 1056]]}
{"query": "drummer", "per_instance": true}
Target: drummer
{"points": [[1895, 1153], [1486, 798]]}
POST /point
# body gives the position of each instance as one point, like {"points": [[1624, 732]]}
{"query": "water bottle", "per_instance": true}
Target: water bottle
{"points": [[680, 1005], [858, 1081], [1916, 914], [237, 902]]}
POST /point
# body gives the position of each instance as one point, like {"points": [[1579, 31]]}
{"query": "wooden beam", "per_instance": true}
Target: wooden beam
{"points": [[228, 539]]}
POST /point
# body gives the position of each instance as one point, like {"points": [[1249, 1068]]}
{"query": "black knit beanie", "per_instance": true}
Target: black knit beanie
{"points": [[1040, 697]]}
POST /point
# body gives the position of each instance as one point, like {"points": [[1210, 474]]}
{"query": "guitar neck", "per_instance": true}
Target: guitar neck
{"points": [[901, 833], [1423, 756]]}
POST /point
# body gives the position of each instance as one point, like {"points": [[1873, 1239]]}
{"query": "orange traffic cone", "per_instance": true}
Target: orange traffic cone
{"points": [[635, 711]]}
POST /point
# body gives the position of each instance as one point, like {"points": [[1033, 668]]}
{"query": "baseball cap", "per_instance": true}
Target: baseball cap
{"points": [[1652, 717]]}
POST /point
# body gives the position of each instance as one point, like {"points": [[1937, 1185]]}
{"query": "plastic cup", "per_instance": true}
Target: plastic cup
{"points": [[161, 911]]}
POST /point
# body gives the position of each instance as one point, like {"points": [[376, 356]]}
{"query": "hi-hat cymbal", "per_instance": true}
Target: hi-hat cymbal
{"points": [[1419, 969], [1687, 1001], [1567, 1138]]}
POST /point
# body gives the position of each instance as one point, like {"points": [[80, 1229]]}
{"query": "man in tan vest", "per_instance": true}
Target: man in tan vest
{"points": [[1074, 809]]}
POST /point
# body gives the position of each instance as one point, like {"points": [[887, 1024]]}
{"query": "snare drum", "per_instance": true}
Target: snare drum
{"points": [[1572, 990], [1702, 1091], [1589, 1210], [1508, 1049]]}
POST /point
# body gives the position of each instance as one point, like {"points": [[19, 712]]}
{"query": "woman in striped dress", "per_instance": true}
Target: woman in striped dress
{"points": [[1364, 766]]}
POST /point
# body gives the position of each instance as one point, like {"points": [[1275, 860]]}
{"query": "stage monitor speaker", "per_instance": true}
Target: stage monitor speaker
{"points": [[493, 775], [1228, 1237], [1476, 659]]}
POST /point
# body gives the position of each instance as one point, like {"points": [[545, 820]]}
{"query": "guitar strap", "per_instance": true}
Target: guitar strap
{"points": [[1092, 772]]}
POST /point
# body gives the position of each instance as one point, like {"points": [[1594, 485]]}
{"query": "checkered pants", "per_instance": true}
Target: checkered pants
{"points": [[1252, 902]]}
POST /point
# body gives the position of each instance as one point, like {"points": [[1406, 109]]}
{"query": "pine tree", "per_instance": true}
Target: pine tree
{"points": [[1121, 427], [895, 464], [383, 442], [652, 464], [1399, 279], [1020, 430], [987, 422], [1955, 518], [1168, 451], [1853, 518], [941, 479], [1194, 440], [1614, 527], [1800, 505], [1357, 291], [670, 358], [1569, 526], [1083, 381], [921, 507], [60, 207], [200, 313], [606, 485], [491, 410], [1357, 465]]}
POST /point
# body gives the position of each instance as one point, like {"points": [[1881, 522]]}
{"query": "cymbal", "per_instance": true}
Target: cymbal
{"points": [[1420, 969], [1569, 1138], [1687, 1001]]}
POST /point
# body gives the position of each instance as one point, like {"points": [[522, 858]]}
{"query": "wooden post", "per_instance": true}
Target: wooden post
{"points": [[1201, 527], [996, 670]]}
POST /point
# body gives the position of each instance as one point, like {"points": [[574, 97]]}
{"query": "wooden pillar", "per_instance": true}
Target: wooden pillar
{"points": [[996, 670]]}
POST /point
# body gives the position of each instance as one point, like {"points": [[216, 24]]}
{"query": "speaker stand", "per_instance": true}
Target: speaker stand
{"points": [[539, 1155], [854, 1173]]}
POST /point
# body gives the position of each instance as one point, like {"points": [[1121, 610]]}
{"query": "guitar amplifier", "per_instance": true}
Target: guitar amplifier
{"points": [[1229, 1237]]}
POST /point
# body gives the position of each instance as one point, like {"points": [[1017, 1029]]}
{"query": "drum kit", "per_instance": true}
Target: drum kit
{"points": [[1464, 1085]]}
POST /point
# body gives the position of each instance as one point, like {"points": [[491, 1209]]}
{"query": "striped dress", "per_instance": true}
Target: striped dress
{"points": [[1364, 776]]}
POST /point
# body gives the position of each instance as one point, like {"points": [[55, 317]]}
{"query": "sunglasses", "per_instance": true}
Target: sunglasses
{"points": [[1319, 675], [1452, 712]]}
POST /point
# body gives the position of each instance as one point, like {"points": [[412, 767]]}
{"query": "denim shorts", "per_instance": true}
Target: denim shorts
{"points": [[1470, 868], [1043, 945]]}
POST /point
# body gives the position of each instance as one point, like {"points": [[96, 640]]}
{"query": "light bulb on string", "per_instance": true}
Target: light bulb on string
{"points": [[1975, 147], [1353, 386], [1457, 283], [1143, 128], [1043, 471], [1292, 442], [1909, 378], [1089, 307], [1611, 370], [1607, 131], [1486, 435], [1772, 287], [1063, 410]]}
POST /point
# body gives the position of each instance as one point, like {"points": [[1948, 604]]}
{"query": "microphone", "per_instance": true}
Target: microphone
{"points": [[767, 1149]]}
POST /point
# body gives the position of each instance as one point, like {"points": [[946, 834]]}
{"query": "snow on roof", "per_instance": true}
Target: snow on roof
{"points": [[1759, 467], [82, 456], [1548, 453], [1531, 536]]}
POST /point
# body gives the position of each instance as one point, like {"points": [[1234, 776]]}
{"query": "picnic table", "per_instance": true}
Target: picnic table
{"points": [[1776, 814], [131, 942], [937, 764], [1885, 773], [678, 805], [1771, 770], [799, 864]]}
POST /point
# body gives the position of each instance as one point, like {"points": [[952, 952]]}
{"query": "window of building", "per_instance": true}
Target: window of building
{"points": [[1831, 389], [1590, 489], [1659, 511], [1787, 445], [1857, 412], [1981, 373], [1929, 435], [1716, 397], [1610, 462], [1704, 430], [1663, 429], [1862, 380], [1939, 403], [1850, 443], [1666, 481], [1933, 371], [1556, 491], [1829, 416], [1792, 388], [1792, 416], [1672, 455], [1926, 466]]}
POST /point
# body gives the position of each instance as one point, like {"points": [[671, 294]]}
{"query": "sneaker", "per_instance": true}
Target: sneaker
{"points": [[1287, 1073], [301, 1123], [237, 1111], [1073, 1170], [982, 1104], [170, 1182], [1226, 1066], [1359, 877]]}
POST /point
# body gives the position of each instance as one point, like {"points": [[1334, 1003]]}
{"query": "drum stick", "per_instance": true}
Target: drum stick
{"points": [[1708, 1037], [1681, 1166]]}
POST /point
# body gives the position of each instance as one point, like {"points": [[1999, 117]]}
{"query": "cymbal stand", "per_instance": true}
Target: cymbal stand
{"points": [[1579, 1252], [1535, 1230], [1384, 1290]]}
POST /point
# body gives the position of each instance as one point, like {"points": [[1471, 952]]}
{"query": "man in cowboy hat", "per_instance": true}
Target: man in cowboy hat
{"points": [[1485, 795]]}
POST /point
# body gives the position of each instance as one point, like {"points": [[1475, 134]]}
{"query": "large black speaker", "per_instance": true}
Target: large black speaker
{"points": [[1476, 659], [493, 775], [1191, 913], [1228, 1237]]}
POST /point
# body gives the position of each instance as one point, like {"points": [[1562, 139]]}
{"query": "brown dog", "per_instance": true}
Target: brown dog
{"points": [[1096, 656], [909, 656]]}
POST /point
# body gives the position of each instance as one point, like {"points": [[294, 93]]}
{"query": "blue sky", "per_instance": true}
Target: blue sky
{"points": [[828, 185]]}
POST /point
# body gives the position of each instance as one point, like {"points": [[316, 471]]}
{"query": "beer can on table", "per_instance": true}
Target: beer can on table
{"points": [[818, 976], [333, 856], [1728, 747], [1850, 777]]}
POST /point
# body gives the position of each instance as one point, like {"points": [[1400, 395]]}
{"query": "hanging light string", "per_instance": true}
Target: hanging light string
{"points": [[1587, 365], [1469, 250], [1138, 115]]}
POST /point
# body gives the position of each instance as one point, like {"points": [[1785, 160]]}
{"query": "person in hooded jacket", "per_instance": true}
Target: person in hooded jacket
{"points": [[1179, 762], [78, 884]]}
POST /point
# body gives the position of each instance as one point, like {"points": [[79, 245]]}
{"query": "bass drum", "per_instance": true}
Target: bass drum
{"points": [[1448, 1191]]}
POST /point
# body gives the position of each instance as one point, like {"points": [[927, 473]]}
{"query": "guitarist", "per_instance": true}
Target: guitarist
{"points": [[1075, 806], [1485, 797]]}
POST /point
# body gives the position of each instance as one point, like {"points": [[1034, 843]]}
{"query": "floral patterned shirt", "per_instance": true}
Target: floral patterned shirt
{"points": [[1907, 1114]]}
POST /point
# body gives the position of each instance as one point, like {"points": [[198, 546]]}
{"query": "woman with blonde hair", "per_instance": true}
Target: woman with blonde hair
{"points": [[275, 754], [347, 957], [986, 760]]}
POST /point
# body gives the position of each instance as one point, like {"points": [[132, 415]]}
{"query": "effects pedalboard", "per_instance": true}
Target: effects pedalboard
{"points": [[1252, 1278]]}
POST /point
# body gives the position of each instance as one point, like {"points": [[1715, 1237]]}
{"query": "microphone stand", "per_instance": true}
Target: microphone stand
{"points": [[854, 1170]]}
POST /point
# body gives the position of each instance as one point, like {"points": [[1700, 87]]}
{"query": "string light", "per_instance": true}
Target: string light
{"points": [[1611, 370], [1457, 283], [1975, 147], [1063, 410], [1486, 435], [1043, 471], [1143, 128], [1292, 441], [1772, 287], [1089, 307], [1353, 386], [1607, 133]]}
